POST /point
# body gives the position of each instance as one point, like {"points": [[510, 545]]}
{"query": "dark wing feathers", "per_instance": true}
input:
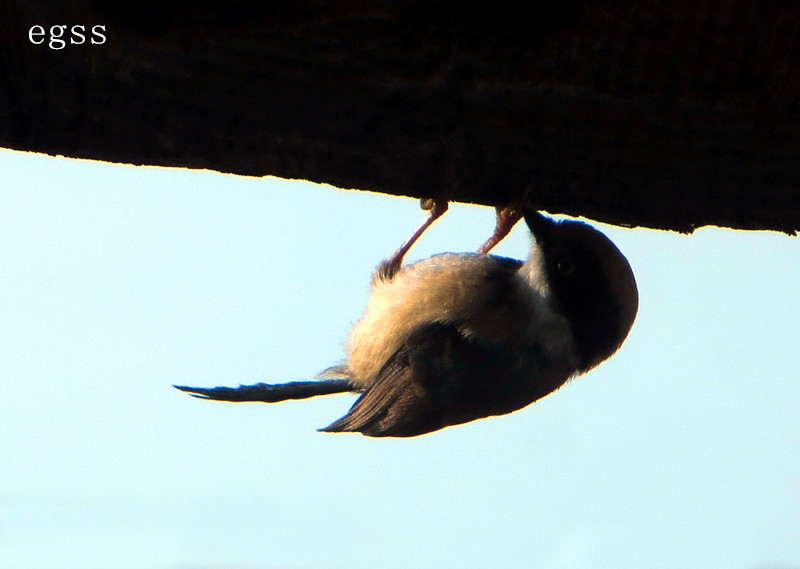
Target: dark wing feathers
{"points": [[377, 409], [437, 378]]}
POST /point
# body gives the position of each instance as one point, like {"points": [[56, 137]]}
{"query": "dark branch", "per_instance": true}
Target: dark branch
{"points": [[666, 114]]}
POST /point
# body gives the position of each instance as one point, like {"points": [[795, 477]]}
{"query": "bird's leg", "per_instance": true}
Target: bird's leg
{"points": [[507, 218], [436, 208]]}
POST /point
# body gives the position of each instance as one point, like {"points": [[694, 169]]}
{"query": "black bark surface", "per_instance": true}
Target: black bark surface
{"points": [[659, 113]]}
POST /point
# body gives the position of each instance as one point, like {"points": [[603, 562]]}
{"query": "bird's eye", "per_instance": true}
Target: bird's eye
{"points": [[565, 266]]}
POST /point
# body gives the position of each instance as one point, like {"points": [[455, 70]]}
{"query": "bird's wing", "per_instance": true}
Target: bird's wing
{"points": [[437, 378]]}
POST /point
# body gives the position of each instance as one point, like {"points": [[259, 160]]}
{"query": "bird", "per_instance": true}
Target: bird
{"points": [[458, 337]]}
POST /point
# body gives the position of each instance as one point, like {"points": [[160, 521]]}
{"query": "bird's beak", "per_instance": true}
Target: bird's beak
{"points": [[539, 225]]}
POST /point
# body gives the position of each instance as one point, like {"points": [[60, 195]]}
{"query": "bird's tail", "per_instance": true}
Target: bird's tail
{"points": [[271, 393]]}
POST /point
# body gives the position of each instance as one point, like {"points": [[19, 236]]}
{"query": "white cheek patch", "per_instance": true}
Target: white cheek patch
{"points": [[535, 273], [549, 329]]}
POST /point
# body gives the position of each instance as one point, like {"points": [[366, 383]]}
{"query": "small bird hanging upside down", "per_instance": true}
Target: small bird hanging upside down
{"points": [[458, 337]]}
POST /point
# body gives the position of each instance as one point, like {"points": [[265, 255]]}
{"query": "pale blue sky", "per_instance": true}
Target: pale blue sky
{"points": [[682, 451]]}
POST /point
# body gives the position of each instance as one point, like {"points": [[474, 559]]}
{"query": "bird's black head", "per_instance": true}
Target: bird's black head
{"points": [[591, 281]]}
